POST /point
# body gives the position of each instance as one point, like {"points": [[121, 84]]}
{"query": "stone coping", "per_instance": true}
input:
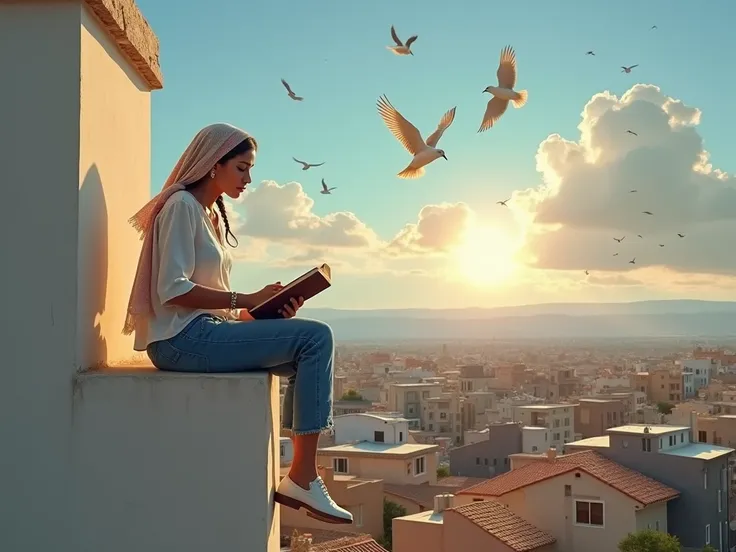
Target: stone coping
{"points": [[126, 25]]}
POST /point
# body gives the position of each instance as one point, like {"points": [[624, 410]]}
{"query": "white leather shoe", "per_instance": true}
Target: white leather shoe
{"points": [[316, 501]]}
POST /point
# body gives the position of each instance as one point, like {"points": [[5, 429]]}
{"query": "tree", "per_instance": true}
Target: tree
{"points": [[709, 548], [649, 541], [352, 395], [665, 407], [391, 510], [443, 471]]}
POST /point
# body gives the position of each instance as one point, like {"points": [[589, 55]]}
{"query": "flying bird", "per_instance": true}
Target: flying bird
{"points": [[661, 245], [308, 165], [632, 191], [619, 240], [504, 92], [406, 133], [633, 261], [503, 202], [653, 27], [681, 235], [587, 273], [632, 132], [325, 189], [629, 68], [291, 92], [639, 235], [401, 48], [615, 254], [590, 53], [647, 213]]}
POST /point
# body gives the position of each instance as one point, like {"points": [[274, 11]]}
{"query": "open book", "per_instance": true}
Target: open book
{"points": [[307, 286]]}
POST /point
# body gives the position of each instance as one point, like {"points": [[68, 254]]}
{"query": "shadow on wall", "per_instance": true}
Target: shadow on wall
{"points": [[92, 257]]}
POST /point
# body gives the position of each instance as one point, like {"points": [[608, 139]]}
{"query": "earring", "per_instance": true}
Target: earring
{"points": [[212, 173]]}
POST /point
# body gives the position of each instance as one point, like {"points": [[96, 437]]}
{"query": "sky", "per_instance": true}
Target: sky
{"points": [[564, 159]]}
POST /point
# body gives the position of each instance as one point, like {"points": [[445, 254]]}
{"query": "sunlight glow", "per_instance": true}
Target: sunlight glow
{"points": [[486, 258]]}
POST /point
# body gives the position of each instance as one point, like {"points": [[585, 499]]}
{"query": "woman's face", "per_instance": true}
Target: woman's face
{"points": [[233, 176]]}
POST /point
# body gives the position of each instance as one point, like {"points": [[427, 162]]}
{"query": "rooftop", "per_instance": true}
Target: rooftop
{"points": [[383, 418], [653, 429], [416, 384], [359, 543], [424, 494], [428, 516], [601, 401], [369, 447], [702, 451], [498, 520], [544, 406], [598, 441], [627, 481]]}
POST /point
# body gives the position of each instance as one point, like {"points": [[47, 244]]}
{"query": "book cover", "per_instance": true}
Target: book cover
{"points": [[307, 286]]}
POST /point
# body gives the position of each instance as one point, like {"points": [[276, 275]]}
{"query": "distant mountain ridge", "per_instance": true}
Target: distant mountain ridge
{"points": [[673, 318]]}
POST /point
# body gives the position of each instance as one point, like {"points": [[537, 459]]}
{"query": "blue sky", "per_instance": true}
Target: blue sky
{"points": [[222, 60]]}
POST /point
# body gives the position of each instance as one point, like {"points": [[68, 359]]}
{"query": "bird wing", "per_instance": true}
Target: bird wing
{"points": [[317, 164], [403, 130], [411, 40], [445, 123], [507, 68], [302, 162], [395, 37], [286, 85], [324, 186], [496, 107], [637, 65]]}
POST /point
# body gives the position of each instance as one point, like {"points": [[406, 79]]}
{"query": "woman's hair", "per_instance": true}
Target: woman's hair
{"points": [[246, 145]]}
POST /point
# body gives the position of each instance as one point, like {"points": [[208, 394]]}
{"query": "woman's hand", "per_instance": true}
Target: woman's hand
{"points": [[289, 310], [266, 293]]}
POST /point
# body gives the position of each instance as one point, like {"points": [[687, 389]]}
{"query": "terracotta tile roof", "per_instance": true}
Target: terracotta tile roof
{"points": [[359, 543], [318, 535], [498, 520], [424, 494], [627, 481]]}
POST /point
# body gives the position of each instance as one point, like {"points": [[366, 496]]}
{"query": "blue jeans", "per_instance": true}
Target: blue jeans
{"points": [[297, 348]]}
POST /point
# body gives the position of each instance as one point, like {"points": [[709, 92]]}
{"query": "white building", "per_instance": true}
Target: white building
{"points": [[536, 439], [352, 428], [701, 370]]}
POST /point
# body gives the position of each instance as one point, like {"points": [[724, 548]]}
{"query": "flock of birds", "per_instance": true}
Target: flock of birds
{"points": [[423, 151]]}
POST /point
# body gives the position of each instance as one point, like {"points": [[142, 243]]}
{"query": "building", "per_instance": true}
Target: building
{"points": [[420, 498], [585, 501], [558, 418], [472, 527], [411, 400], [394, 463], [351, 428], [594, 416], [489, 457], [698, 471]]}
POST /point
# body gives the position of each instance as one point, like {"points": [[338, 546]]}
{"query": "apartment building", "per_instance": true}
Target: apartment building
{"points": [[351, 428], [702, 370], [594, 416], [411, 400], [716, 430], [632, 400], [489, 457], [473, 378], [699, 471], [563, 383], [558, 418]]}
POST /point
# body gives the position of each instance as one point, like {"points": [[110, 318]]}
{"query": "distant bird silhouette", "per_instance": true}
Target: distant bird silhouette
{"points": [[632, 191], [653, 27], [661, 245], [633, 261], [681, 235], [503, 202], [639, 235], [632, 132], [325, 189], [619, 240], [586, 273], [615, 254], [401, 48], [590, 53], [307, 165], [628, 69], [647, 213], [291, 92]]}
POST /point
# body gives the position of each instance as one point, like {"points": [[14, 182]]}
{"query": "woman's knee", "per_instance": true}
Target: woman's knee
{"points": [[320, 331]]}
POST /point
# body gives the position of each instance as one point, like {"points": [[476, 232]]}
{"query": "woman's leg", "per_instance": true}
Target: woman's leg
{"points": [[233, 346]]}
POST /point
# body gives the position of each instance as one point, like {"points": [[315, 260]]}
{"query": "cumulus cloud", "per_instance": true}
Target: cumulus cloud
{"points": [[439, 228], [283, 213], [585, 199]]}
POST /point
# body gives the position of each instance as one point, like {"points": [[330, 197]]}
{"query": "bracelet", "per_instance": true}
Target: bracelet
{"points": [[233, 301]]}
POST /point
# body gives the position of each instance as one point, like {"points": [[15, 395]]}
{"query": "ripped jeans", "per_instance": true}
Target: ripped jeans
{"points": [[298, 348]]}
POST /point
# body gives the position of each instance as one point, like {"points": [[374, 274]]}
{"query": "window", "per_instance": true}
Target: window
{"points": [[682, 437], [477, 460], [646, 445], [401, 436], [378, 436], [702, 436], [340, 465], [705, 478], [419, 466], [589, 513], [568, 490], [534, 448], [485, 461], [656, 525], [719, 500], [283, 450], [707, 534]]}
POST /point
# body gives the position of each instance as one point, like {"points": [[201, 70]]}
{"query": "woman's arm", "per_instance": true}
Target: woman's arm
{"points": [[202, 297]]}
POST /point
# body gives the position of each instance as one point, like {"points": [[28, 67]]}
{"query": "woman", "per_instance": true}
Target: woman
{"points": [[187, 319]]}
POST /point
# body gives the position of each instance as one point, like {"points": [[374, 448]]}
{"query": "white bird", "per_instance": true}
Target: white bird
{"points": [[290, 91], [325, 189], [308, 165], [504, 92], [406, 133], [401, 49]]}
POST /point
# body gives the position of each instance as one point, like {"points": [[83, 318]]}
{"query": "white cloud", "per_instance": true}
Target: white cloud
{"points": [[585, 199], [439, 228]]}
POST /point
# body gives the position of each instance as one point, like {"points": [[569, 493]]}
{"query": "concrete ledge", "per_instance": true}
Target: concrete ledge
{"points": [[184, 462]]}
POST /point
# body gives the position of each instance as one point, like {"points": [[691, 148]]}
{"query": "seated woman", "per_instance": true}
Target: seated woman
{"points": [[186, 317]]}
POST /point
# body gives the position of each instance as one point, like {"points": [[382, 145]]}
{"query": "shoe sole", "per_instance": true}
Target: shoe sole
{"points": [[311, 511]]}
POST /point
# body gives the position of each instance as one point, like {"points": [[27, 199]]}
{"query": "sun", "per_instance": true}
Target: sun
{"points": [[486, 257]]}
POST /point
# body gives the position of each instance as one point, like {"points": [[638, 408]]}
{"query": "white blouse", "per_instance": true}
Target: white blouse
{"points": [[186, 251]]}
